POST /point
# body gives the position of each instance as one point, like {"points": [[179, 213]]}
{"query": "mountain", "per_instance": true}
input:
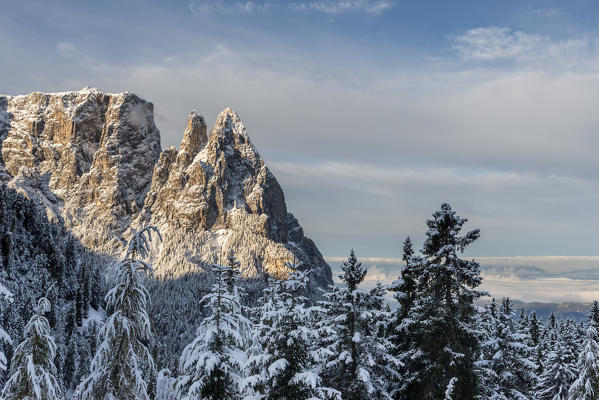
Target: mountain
{"points": [[94, 162]]}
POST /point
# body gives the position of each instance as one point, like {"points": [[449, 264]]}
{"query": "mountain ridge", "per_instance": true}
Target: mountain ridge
{"points": [[93, 160]]}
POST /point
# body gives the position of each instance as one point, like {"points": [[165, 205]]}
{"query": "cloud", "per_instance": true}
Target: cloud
{"points": [[334, 7], [490, 43], [365, 154], [504, 44], [249, 7], [527, 279], [330, 7]]}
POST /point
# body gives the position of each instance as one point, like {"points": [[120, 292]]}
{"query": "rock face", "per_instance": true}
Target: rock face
{"points": [[87, 157]]}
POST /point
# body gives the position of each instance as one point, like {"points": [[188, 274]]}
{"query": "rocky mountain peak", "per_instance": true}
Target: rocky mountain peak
{"points": [[84, 156], [194, 137]]}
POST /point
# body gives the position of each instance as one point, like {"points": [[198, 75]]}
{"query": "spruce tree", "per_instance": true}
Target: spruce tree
{"points": [[507, 370], [283, 364], [594, 312], [534, 330], [33, 373], [442, 320], [211, 367], [404, 289], [405, 286], [5, 297], [586, 385], [117, 369], [355, 355], [554, 382], [485, 367]]}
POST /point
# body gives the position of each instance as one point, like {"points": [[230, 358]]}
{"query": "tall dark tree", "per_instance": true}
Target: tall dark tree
{"points": [[403, 290], [442, 322], [594, 312]]}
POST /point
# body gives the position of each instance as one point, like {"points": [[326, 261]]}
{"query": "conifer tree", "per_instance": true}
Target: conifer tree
{"points": [[408, 250], [554, 382], [355, 356], [594, 312], [5, 297], [534, 330], [508, 372], [211, 367], [442, 320], [405, 286], [488, 379], [404, 289], [117, 369], [586, 385], [284, 366], [33, 373]]}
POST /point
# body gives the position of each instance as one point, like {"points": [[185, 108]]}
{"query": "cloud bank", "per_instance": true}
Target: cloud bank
{"points": [[528, 279]]}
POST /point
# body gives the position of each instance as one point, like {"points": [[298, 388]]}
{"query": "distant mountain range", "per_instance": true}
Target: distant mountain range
{"points": [[387, 270]]}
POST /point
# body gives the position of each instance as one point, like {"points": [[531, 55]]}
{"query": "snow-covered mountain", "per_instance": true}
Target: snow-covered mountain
{"points": [[93, 160]]}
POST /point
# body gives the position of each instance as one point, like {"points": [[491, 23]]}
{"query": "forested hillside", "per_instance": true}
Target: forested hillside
{"points": [[217, 335]]}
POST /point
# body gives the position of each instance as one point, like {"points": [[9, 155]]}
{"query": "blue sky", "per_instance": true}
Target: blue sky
{"points": [[370, 113]]}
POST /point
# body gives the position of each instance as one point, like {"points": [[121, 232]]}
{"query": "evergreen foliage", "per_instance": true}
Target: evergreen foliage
{"points": [[586, 385], [5, 297], [119, 369], [212, 366], [283, 365], [354, 348], [441, 324], [33, 373], [554, 382]]}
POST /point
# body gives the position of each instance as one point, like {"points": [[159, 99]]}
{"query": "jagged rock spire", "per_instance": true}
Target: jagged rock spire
{"points": [[194, 137]]}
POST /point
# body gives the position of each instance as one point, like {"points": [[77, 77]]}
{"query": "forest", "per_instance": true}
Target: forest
{"points": [[69, 330]]}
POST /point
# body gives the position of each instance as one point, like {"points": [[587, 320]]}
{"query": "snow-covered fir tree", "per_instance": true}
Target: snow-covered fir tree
{"points": [[282, 363], [506, 370], [555, 381], [586, 385], [404, 289], [442, 322], [5, 340], [354, 349], [119, 368], [534, 330], [405, 286], [33, 373], [212, 366], [166, 386], [594, 312], [488, 379]]}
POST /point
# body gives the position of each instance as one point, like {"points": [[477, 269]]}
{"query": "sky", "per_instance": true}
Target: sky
{"points": [[371, 113]]}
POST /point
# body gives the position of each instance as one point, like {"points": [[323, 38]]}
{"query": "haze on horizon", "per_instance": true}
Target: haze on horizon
{"points": [[370, 113]]}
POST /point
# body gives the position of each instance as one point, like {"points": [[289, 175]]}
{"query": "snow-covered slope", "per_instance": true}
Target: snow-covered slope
{"points": [[94, 161]]}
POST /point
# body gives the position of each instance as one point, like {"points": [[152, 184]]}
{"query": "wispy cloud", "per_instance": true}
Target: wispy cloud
{"points": [[490, 43], [201, 6], [493, 43], [330, 7], [333, 7]]}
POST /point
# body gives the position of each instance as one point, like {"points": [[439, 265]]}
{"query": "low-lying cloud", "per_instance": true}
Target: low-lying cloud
{"points": [[528, 279]]}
